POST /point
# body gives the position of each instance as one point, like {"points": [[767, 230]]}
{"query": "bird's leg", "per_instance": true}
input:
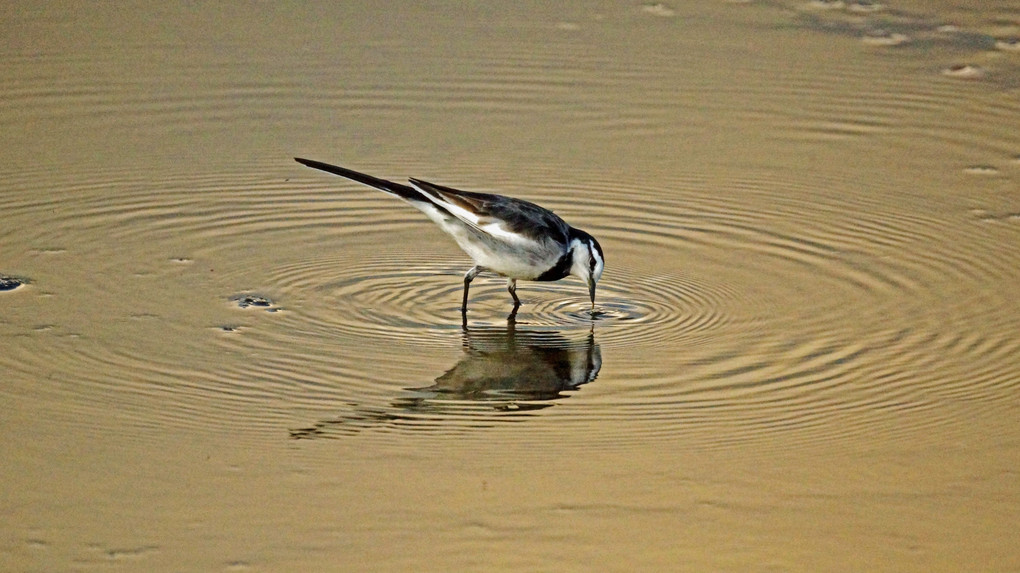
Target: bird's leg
{"points": [[511, 285], [470, 276]]}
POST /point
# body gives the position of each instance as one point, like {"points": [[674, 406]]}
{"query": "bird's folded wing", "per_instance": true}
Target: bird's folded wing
{"points": [[509, 219]]}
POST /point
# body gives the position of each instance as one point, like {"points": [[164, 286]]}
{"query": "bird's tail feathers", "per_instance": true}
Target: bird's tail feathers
{"points": [[403, 191]]}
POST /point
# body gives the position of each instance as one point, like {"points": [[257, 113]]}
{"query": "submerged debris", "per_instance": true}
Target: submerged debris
{"points": [[658, 9], [965, 71], [8, 282], [253, 301]]}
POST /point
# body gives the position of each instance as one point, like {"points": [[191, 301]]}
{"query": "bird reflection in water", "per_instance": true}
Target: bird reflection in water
{"points": [[503, 371]]}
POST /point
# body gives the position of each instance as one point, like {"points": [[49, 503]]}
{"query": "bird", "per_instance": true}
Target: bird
{"points": [[510, 237]]}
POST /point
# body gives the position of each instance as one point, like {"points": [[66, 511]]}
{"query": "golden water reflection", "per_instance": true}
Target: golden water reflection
{"points": [[504, 371]]}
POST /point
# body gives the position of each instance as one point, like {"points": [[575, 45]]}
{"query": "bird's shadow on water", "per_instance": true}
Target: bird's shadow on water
{"points": [[504, 374]]}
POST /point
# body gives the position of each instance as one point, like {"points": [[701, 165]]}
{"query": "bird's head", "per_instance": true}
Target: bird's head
{"points": [[588, 260]]}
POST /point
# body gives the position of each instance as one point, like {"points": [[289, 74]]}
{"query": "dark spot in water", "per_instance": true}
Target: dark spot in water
{"points": [[252, 301], [130, 552], [658, 9], [864, 7], [965, 71], [981, 170], [878, 25], [984, 215], [881, 37], [827, 4], [1008, 44], [305, 433], [519, 407], [10, 283]]}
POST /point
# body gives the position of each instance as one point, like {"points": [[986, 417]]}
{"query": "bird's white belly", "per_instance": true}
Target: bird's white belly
{"points": [[510, 263], [513, 261], [518, 259]]}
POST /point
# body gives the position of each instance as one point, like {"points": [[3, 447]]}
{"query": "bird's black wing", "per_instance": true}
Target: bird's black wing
{"points": [[513, 215]]}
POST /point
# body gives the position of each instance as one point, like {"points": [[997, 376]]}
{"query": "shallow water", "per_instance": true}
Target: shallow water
{"points": [[804, 355]]}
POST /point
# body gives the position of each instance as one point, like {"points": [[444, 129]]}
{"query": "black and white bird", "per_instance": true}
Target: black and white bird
{"points": [[510, 237]]}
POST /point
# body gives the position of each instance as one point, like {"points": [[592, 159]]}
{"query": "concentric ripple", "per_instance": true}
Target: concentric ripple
{"points": [[390, 298], [768, 310]]}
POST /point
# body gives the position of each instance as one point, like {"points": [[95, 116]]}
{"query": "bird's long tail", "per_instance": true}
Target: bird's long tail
{"points": [[403, 191]]}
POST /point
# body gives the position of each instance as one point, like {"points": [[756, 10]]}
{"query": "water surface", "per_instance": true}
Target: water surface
{"points": [[804, 352]]}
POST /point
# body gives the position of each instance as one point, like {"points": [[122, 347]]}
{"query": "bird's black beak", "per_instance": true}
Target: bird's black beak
{"points": [[591, 291]]}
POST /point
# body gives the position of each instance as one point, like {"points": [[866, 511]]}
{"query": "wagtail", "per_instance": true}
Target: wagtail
{"points": [[510, 237]]}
